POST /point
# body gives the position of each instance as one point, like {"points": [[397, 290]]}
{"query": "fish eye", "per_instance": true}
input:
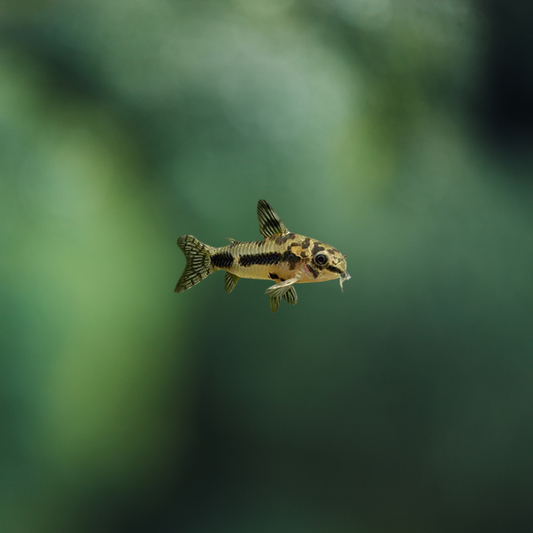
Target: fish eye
{"points": [[321, 259]]}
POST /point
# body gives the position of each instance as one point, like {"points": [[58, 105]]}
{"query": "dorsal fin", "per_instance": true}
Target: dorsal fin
{"points": [[269, 223]]}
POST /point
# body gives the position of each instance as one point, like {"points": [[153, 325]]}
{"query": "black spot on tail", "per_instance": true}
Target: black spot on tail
{"points": [[222, 260]]}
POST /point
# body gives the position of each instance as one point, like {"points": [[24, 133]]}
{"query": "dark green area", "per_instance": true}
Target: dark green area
{"points": [[399, 132]]}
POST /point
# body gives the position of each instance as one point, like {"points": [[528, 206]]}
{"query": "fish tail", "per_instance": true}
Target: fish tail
{"points": [[198, 267]]}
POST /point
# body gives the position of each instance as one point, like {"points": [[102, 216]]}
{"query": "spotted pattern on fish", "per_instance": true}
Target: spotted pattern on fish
{"points": [[282, 256], [290, 258], [282, 239], [317, 248]]}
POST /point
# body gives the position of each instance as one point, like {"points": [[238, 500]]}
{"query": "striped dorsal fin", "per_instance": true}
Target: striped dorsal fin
{"points": [[269, 223]]}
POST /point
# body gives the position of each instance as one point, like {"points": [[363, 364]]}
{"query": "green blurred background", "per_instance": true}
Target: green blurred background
{"points": [[400, 132]]}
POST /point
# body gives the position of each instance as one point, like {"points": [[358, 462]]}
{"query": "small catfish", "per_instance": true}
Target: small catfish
{"points": [[282, 256]]}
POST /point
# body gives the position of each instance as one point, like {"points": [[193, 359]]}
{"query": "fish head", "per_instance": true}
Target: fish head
{"points": [[323, 263]]}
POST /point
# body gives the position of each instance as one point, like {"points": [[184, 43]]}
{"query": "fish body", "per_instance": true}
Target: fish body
{"points": [[282, 256]]}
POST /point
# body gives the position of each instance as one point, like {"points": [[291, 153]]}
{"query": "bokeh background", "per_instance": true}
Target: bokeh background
{"points": [[400, 132]]}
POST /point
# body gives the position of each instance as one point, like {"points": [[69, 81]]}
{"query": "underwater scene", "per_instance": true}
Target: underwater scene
{"points": [[400, 133]]}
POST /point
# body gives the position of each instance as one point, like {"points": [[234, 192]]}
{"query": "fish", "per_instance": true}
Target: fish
{"points": [[282, 256]]}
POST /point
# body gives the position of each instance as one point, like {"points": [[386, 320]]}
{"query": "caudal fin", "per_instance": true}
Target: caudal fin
{"points": [[198, 267]]}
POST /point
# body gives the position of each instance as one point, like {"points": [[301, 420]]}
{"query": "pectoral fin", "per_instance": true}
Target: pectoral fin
{"points": [[291, 296], [269, 223], [274, 303], [230, 280], [279, 289]]}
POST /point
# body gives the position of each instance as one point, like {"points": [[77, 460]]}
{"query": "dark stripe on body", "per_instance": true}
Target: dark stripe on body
{"points": [[334, 269], [313, 270], [222, 260], [290, 258], [271, 258], [305, 243]]}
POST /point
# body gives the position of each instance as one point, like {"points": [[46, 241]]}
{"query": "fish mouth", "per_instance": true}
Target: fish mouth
{"points": [[344, 277]]}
